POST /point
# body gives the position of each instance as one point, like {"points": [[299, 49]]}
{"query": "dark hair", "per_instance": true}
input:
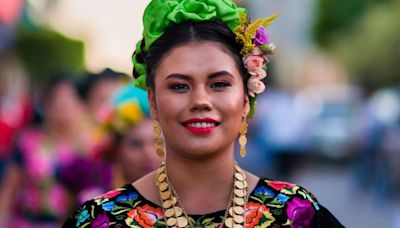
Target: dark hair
{"points": [[189, 31], [59, 78], [93, 79]]}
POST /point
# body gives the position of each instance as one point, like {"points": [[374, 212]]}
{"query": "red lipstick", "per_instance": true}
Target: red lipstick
{"points": [[200, 126]]}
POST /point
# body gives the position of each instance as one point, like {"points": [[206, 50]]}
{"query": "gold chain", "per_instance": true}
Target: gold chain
{"points": [[175, 214]]}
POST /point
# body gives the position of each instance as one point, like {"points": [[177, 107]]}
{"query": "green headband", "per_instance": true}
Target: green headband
{"points": [[160, 14]]}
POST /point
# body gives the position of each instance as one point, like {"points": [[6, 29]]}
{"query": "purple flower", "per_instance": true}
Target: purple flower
{"points": [[261, 36], [300, 212], [101, 221]]}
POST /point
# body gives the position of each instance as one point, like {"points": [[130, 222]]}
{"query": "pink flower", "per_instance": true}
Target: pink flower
{"points": [[300, 212], [278, 185], [110, 194], [258, 74], [255, 86], [253, 62]]}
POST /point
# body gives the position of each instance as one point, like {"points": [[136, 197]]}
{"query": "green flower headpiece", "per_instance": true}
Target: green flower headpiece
{"points": [[160, 14]]}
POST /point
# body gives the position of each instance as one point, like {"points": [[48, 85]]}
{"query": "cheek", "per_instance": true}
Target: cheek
{"points": [[170, 104], [231, 104]]}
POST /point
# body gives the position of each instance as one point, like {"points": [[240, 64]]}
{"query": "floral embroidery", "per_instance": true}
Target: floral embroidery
{"points": [[271, 204], [279, 185], [126, 197], [254, 212], [101, 221], [82, 217], [146, 215], [108, 206], [110, 194], [300, 212]]}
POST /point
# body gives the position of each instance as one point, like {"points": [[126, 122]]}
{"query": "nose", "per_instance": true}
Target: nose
{"points": [[200, 100]]}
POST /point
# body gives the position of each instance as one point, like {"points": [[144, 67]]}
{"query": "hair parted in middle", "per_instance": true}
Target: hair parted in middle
{"points": [[188, 32]]}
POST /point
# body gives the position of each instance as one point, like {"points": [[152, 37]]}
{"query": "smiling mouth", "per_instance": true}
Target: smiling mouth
{"points": [[200, 126]]}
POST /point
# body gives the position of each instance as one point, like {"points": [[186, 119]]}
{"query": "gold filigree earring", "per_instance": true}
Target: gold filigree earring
{"points": [[243, 138], [158, 141]]}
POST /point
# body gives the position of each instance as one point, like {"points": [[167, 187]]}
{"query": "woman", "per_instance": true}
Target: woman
{"points": [[127, 117], [202, 62], [33, 195]]}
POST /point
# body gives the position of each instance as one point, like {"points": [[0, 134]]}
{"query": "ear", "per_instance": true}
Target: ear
{"points": [[151, 96], [246, 107]]}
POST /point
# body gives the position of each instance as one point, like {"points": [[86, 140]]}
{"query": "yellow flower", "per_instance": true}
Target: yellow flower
{"points": [[126, 115]]}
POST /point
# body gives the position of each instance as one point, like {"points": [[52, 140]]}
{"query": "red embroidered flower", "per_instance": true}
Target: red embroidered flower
{"points": [[253, 214], [278, 185], [145, 215]]}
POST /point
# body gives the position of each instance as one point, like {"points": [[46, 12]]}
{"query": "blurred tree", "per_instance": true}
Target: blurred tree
{"points": [[372, 50], [338, 17], [44, 52]]}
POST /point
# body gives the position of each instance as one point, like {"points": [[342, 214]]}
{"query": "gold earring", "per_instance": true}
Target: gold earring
{"points": [[158, 142], [243, 138]]}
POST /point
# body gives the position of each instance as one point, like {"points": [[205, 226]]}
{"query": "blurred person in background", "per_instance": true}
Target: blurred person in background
{"points": [[32, 194], [377, 164], [97, 88], [133, 153], [126, 117], [15, 104]]}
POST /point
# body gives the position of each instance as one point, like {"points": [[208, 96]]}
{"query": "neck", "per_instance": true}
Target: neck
{"points": [[205, 182]]}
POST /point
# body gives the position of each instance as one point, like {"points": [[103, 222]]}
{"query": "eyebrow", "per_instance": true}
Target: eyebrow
{"points": [[188, 78]]}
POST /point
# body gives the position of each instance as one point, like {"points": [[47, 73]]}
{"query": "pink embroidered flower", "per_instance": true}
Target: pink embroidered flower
{"points": [[253, 62], [258, 74], [110, 194], [255, 86], [300, 212], [278, 185]]}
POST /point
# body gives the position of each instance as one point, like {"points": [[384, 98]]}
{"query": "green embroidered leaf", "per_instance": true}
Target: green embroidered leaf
{"points": [[136, 203], [291, 191], [119, 211], [288, 223], [100, 201], [92, 212], [159, 223], [276, 211], [85, 225], [207, 220], [257, 199], [120, 217]]}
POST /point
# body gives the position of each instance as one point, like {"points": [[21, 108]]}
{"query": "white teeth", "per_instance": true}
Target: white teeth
{"points": [[201, 124]]}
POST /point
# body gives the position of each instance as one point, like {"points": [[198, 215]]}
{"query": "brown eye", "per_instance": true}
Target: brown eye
{"points": [[179, 87], [220, 85]]}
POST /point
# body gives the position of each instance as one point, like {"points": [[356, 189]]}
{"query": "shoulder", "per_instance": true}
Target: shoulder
{"points": [[289, 203], [108, 209]]}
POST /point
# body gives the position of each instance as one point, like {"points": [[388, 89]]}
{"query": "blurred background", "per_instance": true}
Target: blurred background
{"points": [[329, 121]]}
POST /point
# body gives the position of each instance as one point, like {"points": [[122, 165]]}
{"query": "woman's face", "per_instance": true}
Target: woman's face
{"points": [[199, 99], [137, 155], [64, 107]]}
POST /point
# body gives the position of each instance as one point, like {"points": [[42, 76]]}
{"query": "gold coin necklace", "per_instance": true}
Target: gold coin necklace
{"points": [[175, 214]]}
